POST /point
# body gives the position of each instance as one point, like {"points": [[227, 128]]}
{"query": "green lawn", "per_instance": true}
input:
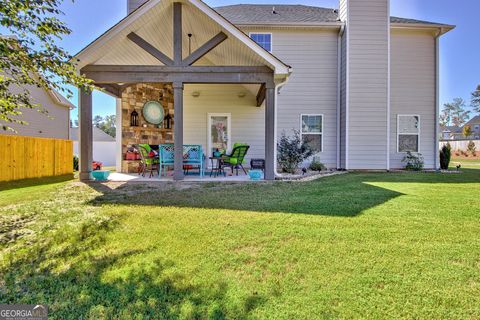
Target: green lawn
{"points": [[466, 163], [359, 245]]}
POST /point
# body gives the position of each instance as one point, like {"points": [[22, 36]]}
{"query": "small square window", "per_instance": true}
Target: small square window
{"points": [[312, 131], [263, 39]]}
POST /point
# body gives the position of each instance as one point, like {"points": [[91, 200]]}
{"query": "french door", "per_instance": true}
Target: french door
{"points": [[219, 132]]}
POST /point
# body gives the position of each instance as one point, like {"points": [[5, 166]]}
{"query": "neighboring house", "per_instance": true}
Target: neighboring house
{"points": [[104, 146], [452, 133], [53, 124], [456, 133], [474, 124], [359, 85]]}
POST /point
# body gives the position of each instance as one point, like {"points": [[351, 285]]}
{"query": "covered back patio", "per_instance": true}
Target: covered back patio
{"points": [[198, 68]]}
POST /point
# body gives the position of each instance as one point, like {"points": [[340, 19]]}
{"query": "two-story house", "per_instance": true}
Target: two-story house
{"points": [[360, 86]]}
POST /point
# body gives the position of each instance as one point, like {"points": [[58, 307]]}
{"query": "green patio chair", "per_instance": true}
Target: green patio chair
{"points": [[147, 163], [236, 158]]}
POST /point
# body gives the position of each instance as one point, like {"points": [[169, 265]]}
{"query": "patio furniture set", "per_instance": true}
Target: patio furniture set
{"points": [[154, 162]]}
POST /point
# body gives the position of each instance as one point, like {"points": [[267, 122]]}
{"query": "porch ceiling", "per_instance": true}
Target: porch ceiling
{"points": [[155, 26]]}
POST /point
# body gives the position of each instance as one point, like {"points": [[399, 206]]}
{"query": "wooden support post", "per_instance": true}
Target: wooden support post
{"points": [[178, 130], [270, 133], [177, 34], [261, 95], [86, 134]]}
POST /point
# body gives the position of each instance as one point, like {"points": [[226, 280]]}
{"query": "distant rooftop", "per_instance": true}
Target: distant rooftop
{"points": [[98, 135], [290, 14], [474, 120]]}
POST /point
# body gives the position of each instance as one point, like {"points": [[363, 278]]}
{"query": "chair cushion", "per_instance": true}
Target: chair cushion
{"points": [[232, 161], [146, 146]]}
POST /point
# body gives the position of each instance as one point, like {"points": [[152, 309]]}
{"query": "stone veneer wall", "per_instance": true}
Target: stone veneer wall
{"points": [[133, 98]]}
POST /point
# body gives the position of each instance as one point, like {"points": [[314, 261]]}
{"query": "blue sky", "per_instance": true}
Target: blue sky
{"points": [[460, 63]]}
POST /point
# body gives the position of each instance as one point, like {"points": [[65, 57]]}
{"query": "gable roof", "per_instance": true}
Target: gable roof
{"points": [[452, 129], [474, 120], [60, 99], [150, 11], [98, 135], [244, 14]]}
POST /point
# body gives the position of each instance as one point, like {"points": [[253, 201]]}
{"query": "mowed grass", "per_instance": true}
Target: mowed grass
{"points": [[359, 245], [466, 163]]}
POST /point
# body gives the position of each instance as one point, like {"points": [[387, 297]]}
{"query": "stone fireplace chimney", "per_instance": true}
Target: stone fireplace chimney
{"points": [[134, 4]]}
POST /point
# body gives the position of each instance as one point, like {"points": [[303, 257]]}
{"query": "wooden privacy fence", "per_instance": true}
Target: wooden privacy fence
{"points": [[29, 157]]}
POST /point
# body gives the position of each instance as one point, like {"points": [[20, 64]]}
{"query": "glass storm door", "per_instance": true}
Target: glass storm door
{"points": [[219, 132]]}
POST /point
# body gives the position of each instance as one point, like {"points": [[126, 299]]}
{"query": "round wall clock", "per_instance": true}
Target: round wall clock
{"points": [[153, 112]]}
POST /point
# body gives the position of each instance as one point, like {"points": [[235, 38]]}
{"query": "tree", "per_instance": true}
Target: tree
{"points": [[445, 118], [467, 131], [475, 102], [107, 124], [97, 121], [31, 57], [457, 112]]}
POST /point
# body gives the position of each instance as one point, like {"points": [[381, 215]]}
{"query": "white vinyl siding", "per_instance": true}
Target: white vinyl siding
{"points": [[312, 87], [247, 120], [55, 124], [311, 130], [367, 52], [413, 90]]}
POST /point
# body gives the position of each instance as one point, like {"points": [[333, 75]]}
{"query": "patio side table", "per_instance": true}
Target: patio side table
{"points": [[217, 166]]}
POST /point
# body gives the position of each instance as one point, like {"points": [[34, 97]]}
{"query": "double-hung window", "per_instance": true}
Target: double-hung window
{"points": [[312, 131], [408, 133], [263, 39]]}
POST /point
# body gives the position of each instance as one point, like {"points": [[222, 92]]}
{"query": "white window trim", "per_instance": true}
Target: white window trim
{"points": [[209, 130], [316, 133], [406, 133], [271, 39]]}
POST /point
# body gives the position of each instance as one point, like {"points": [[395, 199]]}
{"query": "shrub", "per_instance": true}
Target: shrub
{"points": [[75, 163], [316, 165], [471, 148], [445, 155], [413, 161], [292, 151]]}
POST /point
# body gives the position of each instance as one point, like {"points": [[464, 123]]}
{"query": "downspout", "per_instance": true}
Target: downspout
{"points": [[437, 99], [389, 90], [278, 87], [339, 91]]}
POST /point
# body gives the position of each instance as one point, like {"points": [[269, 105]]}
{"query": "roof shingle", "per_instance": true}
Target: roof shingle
{"points": [[289, 14]]}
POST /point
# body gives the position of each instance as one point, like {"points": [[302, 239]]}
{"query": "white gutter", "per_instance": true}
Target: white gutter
{"points": [[339, 91], [278, 87], [444, 28]]}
